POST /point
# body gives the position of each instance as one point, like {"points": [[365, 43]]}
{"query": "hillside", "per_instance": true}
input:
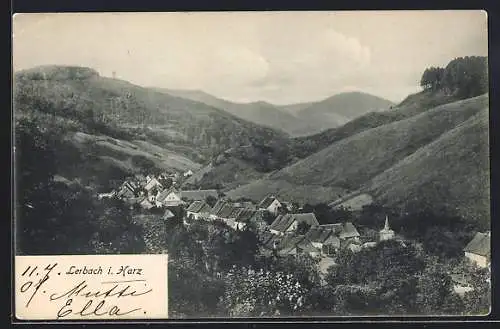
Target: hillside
{"points": [[286, 191], [452, 172], [261, 113], [341, 108], [116, 127], [350, 162], [61, 91], [412, 105], [266, 159]]}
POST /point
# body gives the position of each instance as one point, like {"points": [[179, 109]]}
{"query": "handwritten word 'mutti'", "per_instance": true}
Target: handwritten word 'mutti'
{"points": [[84, 270]]}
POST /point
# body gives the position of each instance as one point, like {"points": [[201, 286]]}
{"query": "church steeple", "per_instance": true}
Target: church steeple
{"points": [[386, 233], [386, 226]]}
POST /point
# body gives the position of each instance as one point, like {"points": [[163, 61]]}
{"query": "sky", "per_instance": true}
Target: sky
{"points": [[278, 57]]}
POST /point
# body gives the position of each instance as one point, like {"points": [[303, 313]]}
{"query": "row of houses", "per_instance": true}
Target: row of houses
{"points": [[289, 233]]}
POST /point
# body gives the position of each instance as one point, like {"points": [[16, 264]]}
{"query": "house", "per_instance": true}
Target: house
{"points": [[198, 195], [152, 183], [243, 217], [269, 243], [324, 239], [289, 222], [478, 250], [198, 209], [168, 214], [305, 246], [169, 198], [270, 204], [128, 189], [188, 173], [349, 232], [386, 233], [288, 245], [223, 210], [145, 203]]}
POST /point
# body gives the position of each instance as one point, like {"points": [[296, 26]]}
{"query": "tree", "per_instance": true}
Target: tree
{"points": [[211, 200], [262, 293], [303, 228]]}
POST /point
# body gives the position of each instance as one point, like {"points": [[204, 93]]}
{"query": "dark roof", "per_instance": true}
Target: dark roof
{"points": [[290, 241], [349, 231], [245, 215], [198, 206], [319, 234], [283, 222], [218, 207], [225, 210], [306, 246], [198, 194], [266, 202], [480, 245]]}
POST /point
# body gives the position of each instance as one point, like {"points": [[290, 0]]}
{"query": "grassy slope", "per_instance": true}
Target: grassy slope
{"points": [[354, 160], [452, 172], [349, 163], [286, 191]]}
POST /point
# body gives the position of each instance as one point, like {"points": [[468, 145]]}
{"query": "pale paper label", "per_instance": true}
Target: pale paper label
{"points": [[91, 287]]}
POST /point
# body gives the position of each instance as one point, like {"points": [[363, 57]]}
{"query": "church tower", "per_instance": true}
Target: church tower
{"points": [[386, 233]]}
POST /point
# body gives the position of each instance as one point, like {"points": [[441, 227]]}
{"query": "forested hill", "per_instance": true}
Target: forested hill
{"points": [[81, 95]]}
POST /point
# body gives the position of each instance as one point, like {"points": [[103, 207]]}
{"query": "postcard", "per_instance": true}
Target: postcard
{"points": [[195, 165]]}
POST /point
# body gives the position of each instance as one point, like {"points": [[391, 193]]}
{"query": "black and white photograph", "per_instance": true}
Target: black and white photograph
{"points": [[291, 164]]}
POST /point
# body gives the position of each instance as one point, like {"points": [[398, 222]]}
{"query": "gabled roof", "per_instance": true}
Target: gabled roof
{"points": [[218, 207], [318, 234], [283, 222], [480, 245], [198, 206], [198, 194], [306, 246], [336, 228], [290, 241], [245, 215], [348, 231], [226, 211], [168, 214], [163, 194], [235, 212], [267, 201]]}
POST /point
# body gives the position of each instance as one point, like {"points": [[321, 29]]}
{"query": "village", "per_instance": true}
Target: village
{"points": [[288, 230]]}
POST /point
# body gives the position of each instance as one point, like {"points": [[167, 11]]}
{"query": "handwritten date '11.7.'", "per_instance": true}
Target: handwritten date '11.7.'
{"points": [[83, 298]]}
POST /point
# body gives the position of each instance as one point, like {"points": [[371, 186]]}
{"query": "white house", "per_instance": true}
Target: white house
{"points": [[270, 204], [478, 250], [153, 182], [169, 198], [188, 173]]}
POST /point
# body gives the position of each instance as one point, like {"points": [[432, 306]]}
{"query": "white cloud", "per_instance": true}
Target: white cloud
{"points": [[277, 57]]}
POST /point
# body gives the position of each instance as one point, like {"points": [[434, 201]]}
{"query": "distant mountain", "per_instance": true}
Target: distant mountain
{"points": [[352, 161], [279, 155], [294, 108], [259, 112], [341, 108]]}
